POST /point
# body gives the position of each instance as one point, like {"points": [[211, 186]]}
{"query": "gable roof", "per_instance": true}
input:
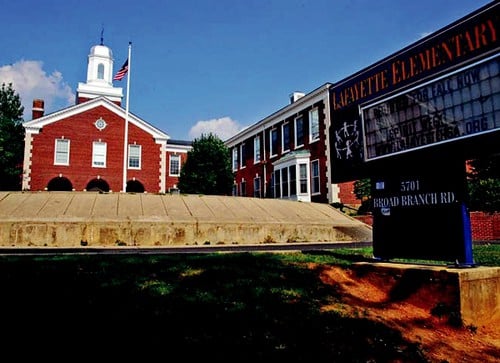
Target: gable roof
{"points": [[34, 126]]}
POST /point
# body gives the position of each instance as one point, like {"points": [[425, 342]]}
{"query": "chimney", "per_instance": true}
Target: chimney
{"points": [[295, 96], [38, 109]]}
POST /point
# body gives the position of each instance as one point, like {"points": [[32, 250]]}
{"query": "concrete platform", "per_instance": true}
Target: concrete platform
{"points": [[74, 219]]}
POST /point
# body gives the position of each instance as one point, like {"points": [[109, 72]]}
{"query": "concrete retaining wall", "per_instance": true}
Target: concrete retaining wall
{"points": [[73, 219]]}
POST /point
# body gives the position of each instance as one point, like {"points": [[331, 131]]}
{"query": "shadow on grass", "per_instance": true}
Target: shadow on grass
{"points": [[224, 307]]}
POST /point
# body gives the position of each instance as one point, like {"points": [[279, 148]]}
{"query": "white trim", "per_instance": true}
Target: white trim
{"points": [[140, 157], [319, 94], [283, 125], [170, 156], [311, 139], [96, 144], [34, 126], [56, 142], [297, 146]]}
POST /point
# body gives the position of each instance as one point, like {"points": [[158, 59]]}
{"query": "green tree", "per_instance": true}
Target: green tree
{"points": [[11, 138], [483, 184], [362, 191], [207, 169]]}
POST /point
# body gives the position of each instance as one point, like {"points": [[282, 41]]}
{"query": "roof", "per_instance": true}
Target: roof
{"points": [[34, 126]]}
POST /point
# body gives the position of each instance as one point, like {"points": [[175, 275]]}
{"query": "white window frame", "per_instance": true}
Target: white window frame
{"points": [[243, 188], [243, 153], [139, 157], [295, 139], [58, 152], [99, 154], [315, 177], [170, 159], [256, 149], [313, 125], [257, 187], [271, 149], [284, 147], [235, 158]]}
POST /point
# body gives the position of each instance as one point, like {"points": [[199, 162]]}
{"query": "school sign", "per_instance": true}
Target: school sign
{"points": [[409, 122]]}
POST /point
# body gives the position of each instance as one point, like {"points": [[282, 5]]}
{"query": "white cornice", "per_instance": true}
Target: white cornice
{"points": [[292, 109]]}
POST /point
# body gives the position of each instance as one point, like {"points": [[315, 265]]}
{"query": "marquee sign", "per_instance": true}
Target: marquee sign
{"points": [[463, 104], [437, 70]]}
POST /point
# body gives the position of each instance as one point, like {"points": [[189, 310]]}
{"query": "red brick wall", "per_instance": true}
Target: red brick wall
{"points": [[81, 132], [346, 194], [484, 226]]}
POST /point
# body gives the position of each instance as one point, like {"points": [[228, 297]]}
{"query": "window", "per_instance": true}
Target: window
{"points": [[277, 189], [134, 156], [314, 125], [274, 142], [100, 71], [284, 182], [285, 136], [315, 177], [61, 155], [256, 149], [292, 171], [99, 154], [243, 155], [243, 188], [235, 159], [303, 178], [175, 165], [256, 187], [299, 132]]}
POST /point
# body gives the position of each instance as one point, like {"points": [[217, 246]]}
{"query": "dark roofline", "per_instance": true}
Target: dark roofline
{"points": [[180, 142]]}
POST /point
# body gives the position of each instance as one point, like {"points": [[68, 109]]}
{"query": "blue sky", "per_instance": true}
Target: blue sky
{"points": [[200, 66]]}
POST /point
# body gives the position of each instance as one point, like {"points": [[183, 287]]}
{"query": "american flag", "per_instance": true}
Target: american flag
{"points": [[122, 72]]}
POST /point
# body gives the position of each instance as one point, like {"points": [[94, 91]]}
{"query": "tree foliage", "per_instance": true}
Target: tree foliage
{"points": [[11, 138], [362, 191], [483, 184], [207, 169]]}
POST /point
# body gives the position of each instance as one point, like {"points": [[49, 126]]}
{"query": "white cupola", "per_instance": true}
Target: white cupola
{"points": [[99, 76]]}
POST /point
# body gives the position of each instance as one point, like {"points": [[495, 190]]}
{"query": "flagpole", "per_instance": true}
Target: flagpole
{"points": [[125, 141]]}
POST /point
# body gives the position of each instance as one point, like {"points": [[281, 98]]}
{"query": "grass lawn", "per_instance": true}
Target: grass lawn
{"points": [[210, 307]]}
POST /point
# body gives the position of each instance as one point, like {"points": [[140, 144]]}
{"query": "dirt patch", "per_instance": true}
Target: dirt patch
{"points": [[424, 315]]}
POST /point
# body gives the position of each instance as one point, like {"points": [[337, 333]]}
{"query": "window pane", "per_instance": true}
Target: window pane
{"points": [[175, 165], [315, 176], [134, 156], [284, 182], [99, 154], [293, 179], [256, 149], [256, 187], [303, 178], [62, 152], [286, 136], [299, 132], [314, 124]]}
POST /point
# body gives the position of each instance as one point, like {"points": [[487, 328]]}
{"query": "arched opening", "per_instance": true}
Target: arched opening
{"points": [[97, 185], [60, 183], [134, 186]]}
